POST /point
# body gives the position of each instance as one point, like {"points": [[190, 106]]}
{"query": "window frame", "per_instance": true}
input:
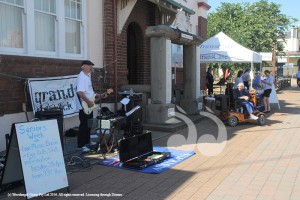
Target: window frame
{"points": [[15, 50], [45, 52], [28, 28]]}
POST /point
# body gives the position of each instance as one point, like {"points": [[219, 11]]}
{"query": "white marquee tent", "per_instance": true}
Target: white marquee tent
{"points": [[221, 48]]}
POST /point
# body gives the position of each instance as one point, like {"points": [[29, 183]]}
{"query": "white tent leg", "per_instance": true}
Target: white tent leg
{"points": [[251, 76]]}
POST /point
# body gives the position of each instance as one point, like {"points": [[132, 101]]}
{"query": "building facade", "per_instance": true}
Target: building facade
{"points": [[289, 60], [49, 38]]}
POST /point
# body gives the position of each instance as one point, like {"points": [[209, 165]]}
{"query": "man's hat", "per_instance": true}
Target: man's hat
{"points": [[87, 62]]}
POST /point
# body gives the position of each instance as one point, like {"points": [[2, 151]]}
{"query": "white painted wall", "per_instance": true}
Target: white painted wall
{"points": [[193, 5], [201, 11], [95, 32], [123, 13], [292, 43], [6, 122]]}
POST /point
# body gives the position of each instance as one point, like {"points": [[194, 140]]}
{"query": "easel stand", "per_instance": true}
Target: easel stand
{"points": [[35, 155]]}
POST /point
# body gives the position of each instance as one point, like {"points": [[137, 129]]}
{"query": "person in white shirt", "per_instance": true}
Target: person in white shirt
{"points": [[268, 83], [85, 91]]}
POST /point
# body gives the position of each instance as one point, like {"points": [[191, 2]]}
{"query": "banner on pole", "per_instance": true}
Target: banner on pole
{"points": [[266, 56], [54, 92]]}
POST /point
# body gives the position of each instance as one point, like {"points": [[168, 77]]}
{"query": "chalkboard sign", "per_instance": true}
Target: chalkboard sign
{"points": [[41, 157]]}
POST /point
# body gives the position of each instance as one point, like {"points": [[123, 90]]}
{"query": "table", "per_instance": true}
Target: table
{"points": [[210, 100]]}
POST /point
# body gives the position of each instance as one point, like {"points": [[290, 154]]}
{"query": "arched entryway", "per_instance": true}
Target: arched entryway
{"points": [[134, 54]]}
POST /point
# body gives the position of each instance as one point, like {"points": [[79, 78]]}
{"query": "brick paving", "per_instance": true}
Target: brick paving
{"points": [[258, 162]]}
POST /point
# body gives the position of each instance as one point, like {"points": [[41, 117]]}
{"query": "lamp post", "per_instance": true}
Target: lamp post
{"points": [[274, 60]]}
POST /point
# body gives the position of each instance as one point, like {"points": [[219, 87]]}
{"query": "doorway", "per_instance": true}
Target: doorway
{"points": [[135, 54]]}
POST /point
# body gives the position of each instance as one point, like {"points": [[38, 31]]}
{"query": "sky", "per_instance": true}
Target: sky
{"points": [[291, 8]]}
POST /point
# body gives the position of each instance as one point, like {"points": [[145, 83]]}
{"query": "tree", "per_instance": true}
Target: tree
{"points": [[256, 26]]}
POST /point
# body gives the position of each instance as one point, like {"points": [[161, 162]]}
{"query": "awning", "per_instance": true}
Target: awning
{"points": [[190, 11], [290, 56], [161, 4]]}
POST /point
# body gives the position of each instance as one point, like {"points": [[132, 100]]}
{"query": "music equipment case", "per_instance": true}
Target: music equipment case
{"points": [[137, 152]]}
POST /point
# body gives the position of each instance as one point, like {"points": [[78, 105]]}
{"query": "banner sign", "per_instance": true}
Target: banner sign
{"points": [[54, 92], [266, 56], [282, 60], [214, 56]]}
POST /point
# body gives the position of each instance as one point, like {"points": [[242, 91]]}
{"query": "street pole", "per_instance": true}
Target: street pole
{"points": [[274, 60], [288, 66]]}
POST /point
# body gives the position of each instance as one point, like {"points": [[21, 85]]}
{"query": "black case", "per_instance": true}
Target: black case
{"points": [[137, 152]]}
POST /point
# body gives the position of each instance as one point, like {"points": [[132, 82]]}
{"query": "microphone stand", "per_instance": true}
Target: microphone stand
{"points": [[99, 117], [99, 79]]}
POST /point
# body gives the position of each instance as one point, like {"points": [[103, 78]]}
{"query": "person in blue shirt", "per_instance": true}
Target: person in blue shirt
{"points": [[298, 78], [268, 84], [257, 81], [242, 95]]}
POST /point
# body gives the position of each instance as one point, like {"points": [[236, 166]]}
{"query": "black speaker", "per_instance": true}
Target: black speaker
{"points": [[54, 114], [221, 102]]}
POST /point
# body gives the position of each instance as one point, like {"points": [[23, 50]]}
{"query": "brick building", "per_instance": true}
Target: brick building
{"points": [[50, 38]]}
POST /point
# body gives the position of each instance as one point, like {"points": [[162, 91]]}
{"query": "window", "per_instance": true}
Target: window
{"points": [[73, 25], [45, 16], [11, 22], [48, 28]]}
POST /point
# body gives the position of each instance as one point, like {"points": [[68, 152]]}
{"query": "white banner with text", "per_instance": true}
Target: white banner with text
{"points": [[54, 92]]}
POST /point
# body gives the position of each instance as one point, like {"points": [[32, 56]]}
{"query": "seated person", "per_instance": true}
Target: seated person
{"points": [[242, 95]]}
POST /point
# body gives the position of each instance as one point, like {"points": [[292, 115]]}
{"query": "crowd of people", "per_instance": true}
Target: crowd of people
{"points": [[242, 83]]}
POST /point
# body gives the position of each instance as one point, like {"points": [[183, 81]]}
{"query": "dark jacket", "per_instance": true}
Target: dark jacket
{"points": [[209, 78], [237, 94]]}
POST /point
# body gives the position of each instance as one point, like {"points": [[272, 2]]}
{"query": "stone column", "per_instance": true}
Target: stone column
{"points": [[191, 76], [160, 109]]}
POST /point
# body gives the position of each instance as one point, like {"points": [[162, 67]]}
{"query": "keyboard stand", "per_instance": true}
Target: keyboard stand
{"points": [[107, 139]]}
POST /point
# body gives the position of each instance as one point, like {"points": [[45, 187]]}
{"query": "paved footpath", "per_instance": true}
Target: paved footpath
{"points": [[258, 162]]}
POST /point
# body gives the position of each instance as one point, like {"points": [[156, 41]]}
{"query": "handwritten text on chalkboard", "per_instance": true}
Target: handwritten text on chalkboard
{"points": [[41, 156]]}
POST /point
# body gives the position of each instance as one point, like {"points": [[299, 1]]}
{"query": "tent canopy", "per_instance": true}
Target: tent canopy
{"points": [[221, 48]]}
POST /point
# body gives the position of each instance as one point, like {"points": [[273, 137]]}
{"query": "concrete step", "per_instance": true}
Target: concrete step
{"points": [[173, 125]]}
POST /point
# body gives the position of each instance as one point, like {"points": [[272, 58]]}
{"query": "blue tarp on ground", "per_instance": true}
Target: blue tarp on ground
{"points": [[177, 156]]}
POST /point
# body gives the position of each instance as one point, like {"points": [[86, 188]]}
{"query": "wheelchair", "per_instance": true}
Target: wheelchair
{"points": [[232, 112]]}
